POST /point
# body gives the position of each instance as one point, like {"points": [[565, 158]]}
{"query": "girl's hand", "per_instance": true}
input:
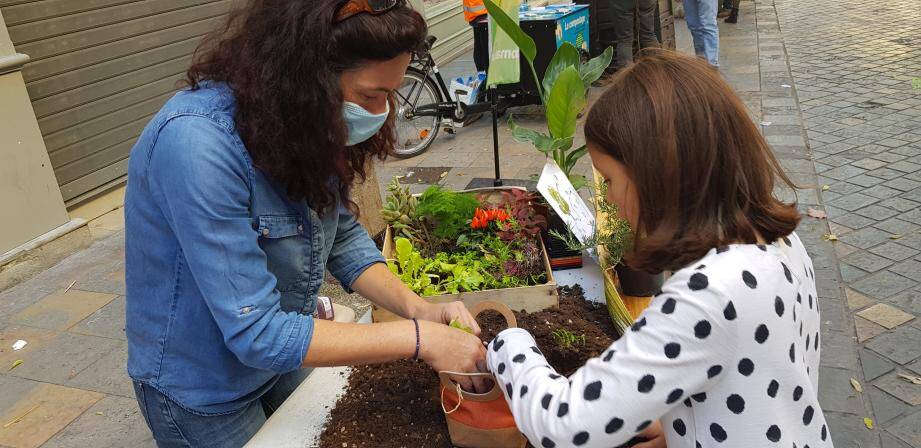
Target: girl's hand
{"points": [[447, 349], [446, 312], [654, 436]]}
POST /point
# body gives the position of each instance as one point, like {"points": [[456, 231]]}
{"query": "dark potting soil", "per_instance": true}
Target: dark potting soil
{"points": [[397, 405]]}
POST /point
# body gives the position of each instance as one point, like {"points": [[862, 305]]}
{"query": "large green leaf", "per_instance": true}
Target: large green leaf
{"points": [[572, 157], [578, 181], [566, 56], [564, 103], [543, 142], [592, 70], [506, 24], [562, 143]]}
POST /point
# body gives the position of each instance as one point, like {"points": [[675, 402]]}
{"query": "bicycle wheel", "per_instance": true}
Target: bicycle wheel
{"points": [[414, 135]]}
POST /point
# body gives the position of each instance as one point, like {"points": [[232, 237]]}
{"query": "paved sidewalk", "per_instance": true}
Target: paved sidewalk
{"points": [[853, 64], [831, 81]]}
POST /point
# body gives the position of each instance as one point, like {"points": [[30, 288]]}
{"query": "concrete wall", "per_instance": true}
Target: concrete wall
{"points": [[30, 200]]}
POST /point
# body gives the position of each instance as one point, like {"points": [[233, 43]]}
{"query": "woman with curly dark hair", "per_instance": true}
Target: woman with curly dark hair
{"points": [[237, 204]]}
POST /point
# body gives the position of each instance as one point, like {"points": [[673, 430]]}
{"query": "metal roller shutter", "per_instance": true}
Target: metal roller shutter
{"points": [[446, 21], [99, 70]]}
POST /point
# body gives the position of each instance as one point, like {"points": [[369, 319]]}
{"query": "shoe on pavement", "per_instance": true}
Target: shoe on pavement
{"points": [[733, 16]]}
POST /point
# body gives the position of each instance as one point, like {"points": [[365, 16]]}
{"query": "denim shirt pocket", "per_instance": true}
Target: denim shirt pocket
{"points": [[286, 243]]}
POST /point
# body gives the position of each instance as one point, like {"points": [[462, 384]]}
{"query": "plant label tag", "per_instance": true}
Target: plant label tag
{"points": [[565, 200]]}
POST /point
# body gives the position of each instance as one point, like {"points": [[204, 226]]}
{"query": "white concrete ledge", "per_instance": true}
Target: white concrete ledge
{"points": [[13, 62], [52, 235]]}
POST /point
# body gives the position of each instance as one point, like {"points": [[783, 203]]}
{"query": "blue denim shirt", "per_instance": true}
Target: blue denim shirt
{"points": [[222, 270]]}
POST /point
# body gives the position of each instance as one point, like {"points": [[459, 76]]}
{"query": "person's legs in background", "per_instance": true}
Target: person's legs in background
{"points": [[481, 43], [725, 9], [734, 12], [692, 17], [623, 32], [701, 18], [647, 21]]}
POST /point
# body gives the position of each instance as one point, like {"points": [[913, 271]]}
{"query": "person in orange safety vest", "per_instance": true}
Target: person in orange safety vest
{"points": [[475, 14]]}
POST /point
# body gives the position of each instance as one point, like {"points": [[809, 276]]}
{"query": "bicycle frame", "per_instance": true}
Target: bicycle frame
{"points": [[455, 110]]}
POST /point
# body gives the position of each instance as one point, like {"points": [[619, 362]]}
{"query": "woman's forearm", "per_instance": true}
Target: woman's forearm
{"points": [[380, 286], [342, 344]]}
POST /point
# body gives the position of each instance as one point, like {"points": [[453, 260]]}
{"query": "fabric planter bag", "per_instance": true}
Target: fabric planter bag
{"points": [[480, 420]]}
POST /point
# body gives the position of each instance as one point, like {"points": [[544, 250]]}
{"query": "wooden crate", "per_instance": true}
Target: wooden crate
{"points": [[668, 37], [528, 298], [666, 20]]}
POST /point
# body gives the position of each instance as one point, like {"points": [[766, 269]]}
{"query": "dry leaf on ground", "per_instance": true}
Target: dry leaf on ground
{"points": [[868, 422], [911, 378], [830, 237], [856, 385]]}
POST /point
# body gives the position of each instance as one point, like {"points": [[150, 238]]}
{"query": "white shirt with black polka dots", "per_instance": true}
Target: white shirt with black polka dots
{"points": [[726, 356]]}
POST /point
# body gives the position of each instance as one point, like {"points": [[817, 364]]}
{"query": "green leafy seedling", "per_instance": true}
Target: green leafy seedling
{"points": [[566, 339], [457, 324]]}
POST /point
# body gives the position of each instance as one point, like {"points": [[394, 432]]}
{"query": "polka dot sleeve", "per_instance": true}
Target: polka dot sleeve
{"points": [[678, 348]]}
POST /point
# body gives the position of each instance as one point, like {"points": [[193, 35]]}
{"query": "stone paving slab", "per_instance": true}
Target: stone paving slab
{"points": [[874, 365], [62, 310], [909, 429], [108, 374], [112, 422], [107, 322], [36, 339], [64, 357], [885, 315], [42, 412], [896, 386]]}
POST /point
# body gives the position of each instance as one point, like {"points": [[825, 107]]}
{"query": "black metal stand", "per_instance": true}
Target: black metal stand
{"points": [[495, 134]]}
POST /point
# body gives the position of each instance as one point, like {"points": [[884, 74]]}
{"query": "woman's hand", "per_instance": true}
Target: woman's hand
{"points": [[654, 436], [449, 349], [446, 312]]}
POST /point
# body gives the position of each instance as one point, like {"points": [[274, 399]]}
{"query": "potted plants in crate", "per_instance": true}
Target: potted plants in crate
{"points": [[468, 246], [563, 93]]}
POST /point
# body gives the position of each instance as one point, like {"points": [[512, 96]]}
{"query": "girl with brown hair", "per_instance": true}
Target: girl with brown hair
{"points": [[728, 353]]}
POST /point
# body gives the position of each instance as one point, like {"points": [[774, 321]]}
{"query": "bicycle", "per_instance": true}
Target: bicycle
{"points": [[424, 105]]}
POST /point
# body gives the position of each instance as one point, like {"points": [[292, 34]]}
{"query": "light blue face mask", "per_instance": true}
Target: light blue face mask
{"points": [[362, 124]]}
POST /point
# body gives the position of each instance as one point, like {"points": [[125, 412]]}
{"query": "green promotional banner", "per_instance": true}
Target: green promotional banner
{"points": [[504, 65]]}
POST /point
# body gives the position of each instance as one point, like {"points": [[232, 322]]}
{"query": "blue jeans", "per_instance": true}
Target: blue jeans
{"points": [[174, 426], [701, 18]]}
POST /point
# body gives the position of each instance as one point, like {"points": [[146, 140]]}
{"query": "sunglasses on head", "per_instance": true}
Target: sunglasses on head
{"points": [[375, 7]]}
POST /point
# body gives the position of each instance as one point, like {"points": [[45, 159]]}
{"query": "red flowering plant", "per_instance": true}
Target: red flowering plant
{"points": [[483, 217]]}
